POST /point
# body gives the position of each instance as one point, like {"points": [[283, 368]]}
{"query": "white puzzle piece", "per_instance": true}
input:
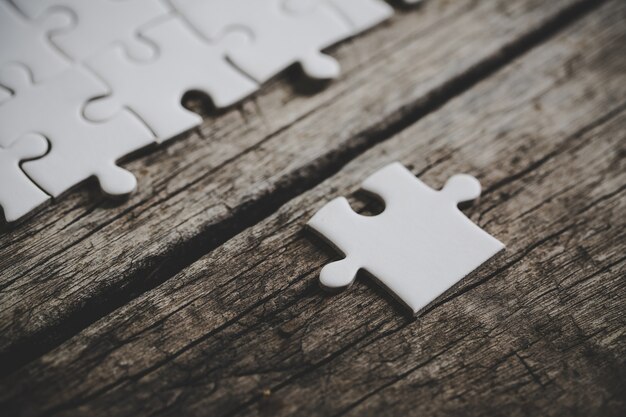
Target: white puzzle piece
{"points": [[18, 194], [5, 94], [363, 14], [418, 247], [279, 38], [25, 42], [154, 89], [99, 24], [359, 14], [79, 149]]}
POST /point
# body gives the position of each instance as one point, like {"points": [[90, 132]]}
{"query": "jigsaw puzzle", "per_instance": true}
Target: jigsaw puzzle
{"points": [[25, 42], [18, 195], [97, 24], [79, 149], [100, 79], [419, 246], [271, 26], [154, 89]]}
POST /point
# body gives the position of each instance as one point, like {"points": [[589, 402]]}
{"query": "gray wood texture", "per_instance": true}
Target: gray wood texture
{"points": [[84, 256], [537, 113]]}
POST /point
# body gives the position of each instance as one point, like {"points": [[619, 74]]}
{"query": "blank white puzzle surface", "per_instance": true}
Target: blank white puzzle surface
{"points": [[96, 24], [98, 79], [418, 247], [25, 42]]}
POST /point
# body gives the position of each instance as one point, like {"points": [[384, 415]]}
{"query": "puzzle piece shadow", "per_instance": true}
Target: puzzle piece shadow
{"points": [[300, 84]]}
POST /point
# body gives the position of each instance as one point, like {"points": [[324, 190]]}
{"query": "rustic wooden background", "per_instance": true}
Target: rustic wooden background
{"points": [[199, 295]]}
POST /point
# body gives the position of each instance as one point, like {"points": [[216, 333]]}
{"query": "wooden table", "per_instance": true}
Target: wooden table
{"points": [[199, 295]]}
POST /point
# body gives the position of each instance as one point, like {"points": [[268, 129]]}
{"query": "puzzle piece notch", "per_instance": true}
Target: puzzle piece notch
{"points": [[280, 39], [154, 90], [25, 42], [18, 194], [79, 149], [418, 247], [99, 24]]}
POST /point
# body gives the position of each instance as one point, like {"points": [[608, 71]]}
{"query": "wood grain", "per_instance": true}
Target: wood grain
{"points": [[84, 257], [539, 330]]}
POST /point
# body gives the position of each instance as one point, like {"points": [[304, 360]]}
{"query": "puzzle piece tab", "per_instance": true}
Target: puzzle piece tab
{"points": [[418, 247], [18, 194], [154, 89], [279, 38], [25, 42], [79, 149], [98, 23]]}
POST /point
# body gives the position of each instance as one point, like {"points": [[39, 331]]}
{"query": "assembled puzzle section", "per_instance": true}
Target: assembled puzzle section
{"points": [[79, 149], [419, 246], [97, 24], [154, 89], [100, 79], [281, 33], [25, 42]]}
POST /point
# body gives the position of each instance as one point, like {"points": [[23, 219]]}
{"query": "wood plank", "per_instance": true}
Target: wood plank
{"points": [[246, 330], [60, 275]]}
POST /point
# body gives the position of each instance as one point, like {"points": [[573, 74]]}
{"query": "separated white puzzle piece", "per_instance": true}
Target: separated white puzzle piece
{"points": [[79, 149], [278, 38], [26, 42], [418, 247], [18, 194], [154, 89], [97, 24]]}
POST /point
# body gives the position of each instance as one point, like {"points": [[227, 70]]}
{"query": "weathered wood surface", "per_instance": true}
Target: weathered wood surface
{"points": [[83, 257], [539, 330]]}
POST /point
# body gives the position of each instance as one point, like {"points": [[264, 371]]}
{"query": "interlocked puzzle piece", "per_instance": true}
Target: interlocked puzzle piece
{"points": [[79, 149], [18, 195], [98, 24], [25, 42], [418, 247], [360, 15], [278, 38], [154, 89]]}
